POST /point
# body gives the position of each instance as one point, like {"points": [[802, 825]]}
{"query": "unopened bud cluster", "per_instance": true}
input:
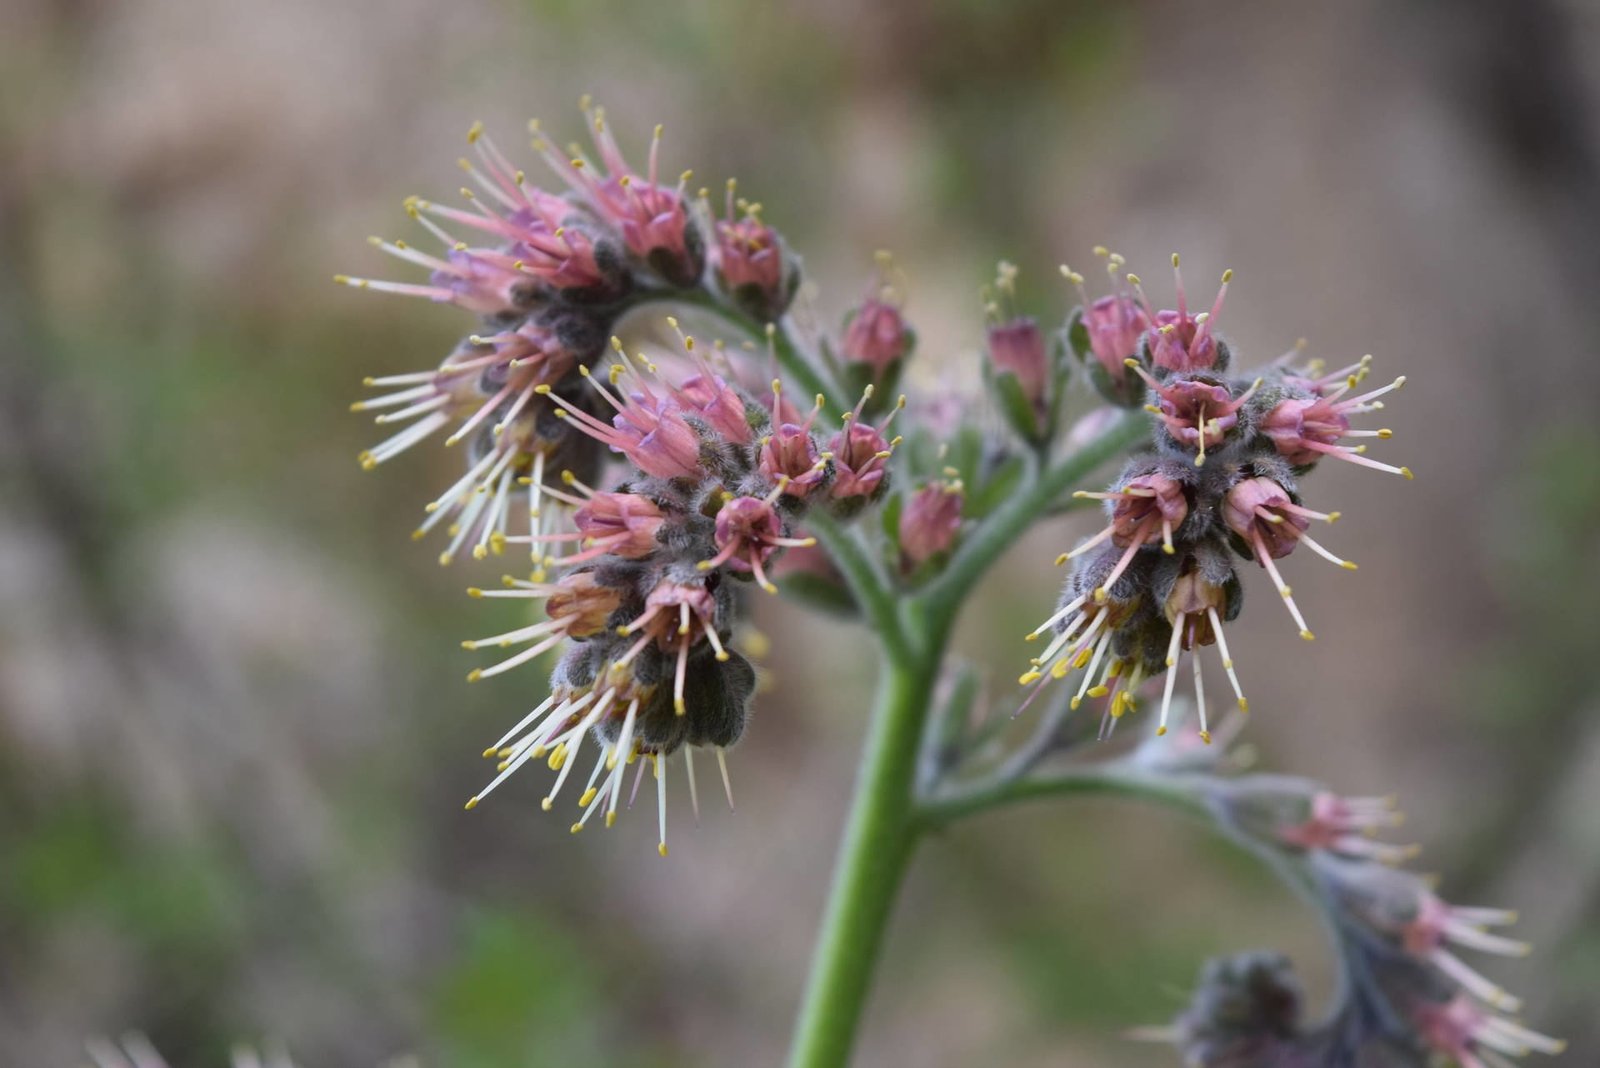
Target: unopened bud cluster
{"points": [[1219, 486]]}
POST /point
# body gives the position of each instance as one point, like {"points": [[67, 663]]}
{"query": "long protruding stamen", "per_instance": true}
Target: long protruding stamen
{"points": [[661, 801], [1200, 696], [1071, 607], [1283, 587], [727, 784], [1173, 650], [1317, 548], [694, 792], [1227, 659]]}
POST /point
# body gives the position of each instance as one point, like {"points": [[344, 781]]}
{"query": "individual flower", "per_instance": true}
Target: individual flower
{"points": [[1422, 926], [1260, 512], [749, 531], [876, 336], [578, 606], [545, 241], [790, 454], [653, 219], [750, 261], [1178, 341], [859, 452], [1346, 825], [1245, 1013], [1475, 1038], [1017, 351], [1112, 327], [1198, 413], [1306, 428], [1204, 594], [648, 429], [625, 525], [929, 523]]}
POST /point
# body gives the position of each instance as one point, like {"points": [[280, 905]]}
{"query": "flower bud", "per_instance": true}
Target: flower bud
{"points": [[929, 524], [875, 335], [1023, 373]]}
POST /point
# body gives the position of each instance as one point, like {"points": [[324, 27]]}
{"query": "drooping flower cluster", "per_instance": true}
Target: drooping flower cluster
{"points": [[1406, 992], [640, 583], [550, 281], [1221, 484], [646, 607]]}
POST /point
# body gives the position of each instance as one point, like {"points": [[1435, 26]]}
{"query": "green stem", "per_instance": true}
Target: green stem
{"points": [[1114, 778], [877, 847]]}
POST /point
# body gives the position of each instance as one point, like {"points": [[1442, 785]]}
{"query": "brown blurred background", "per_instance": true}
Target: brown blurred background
{"points": [[234, 739]]}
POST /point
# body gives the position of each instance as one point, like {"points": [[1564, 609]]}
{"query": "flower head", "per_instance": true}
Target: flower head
{"points": [[1219, 483]]}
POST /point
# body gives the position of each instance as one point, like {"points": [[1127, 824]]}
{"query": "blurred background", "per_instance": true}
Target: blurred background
{"points": [[234, 738]]}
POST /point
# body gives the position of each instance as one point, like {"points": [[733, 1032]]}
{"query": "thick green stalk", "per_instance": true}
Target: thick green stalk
{"points": [[877, 847]]}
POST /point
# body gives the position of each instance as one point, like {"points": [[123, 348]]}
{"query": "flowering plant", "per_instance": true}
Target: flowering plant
{"points": [[662, 488]]}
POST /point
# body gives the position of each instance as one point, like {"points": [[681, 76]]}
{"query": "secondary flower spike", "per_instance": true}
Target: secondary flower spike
{"points": [[1221, 484]]}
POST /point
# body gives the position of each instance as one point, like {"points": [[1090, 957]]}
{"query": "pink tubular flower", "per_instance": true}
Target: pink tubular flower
{"points": [[1344, 825], [1146, 509], [1260, 512], [653, 220], [1195, 608], [648, 429], [789, 454], [1304, 430], [748, 259], [545, 240], [482, 281], [929, 524], [1437, 924], [578, 607], [876, 336], [615, 524], [1114, 322], [1196, 413], [859, 452], [748, 532], [1179, 341], [672, 612], [1461, 1030], [1018, 346], [711, 398]]}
